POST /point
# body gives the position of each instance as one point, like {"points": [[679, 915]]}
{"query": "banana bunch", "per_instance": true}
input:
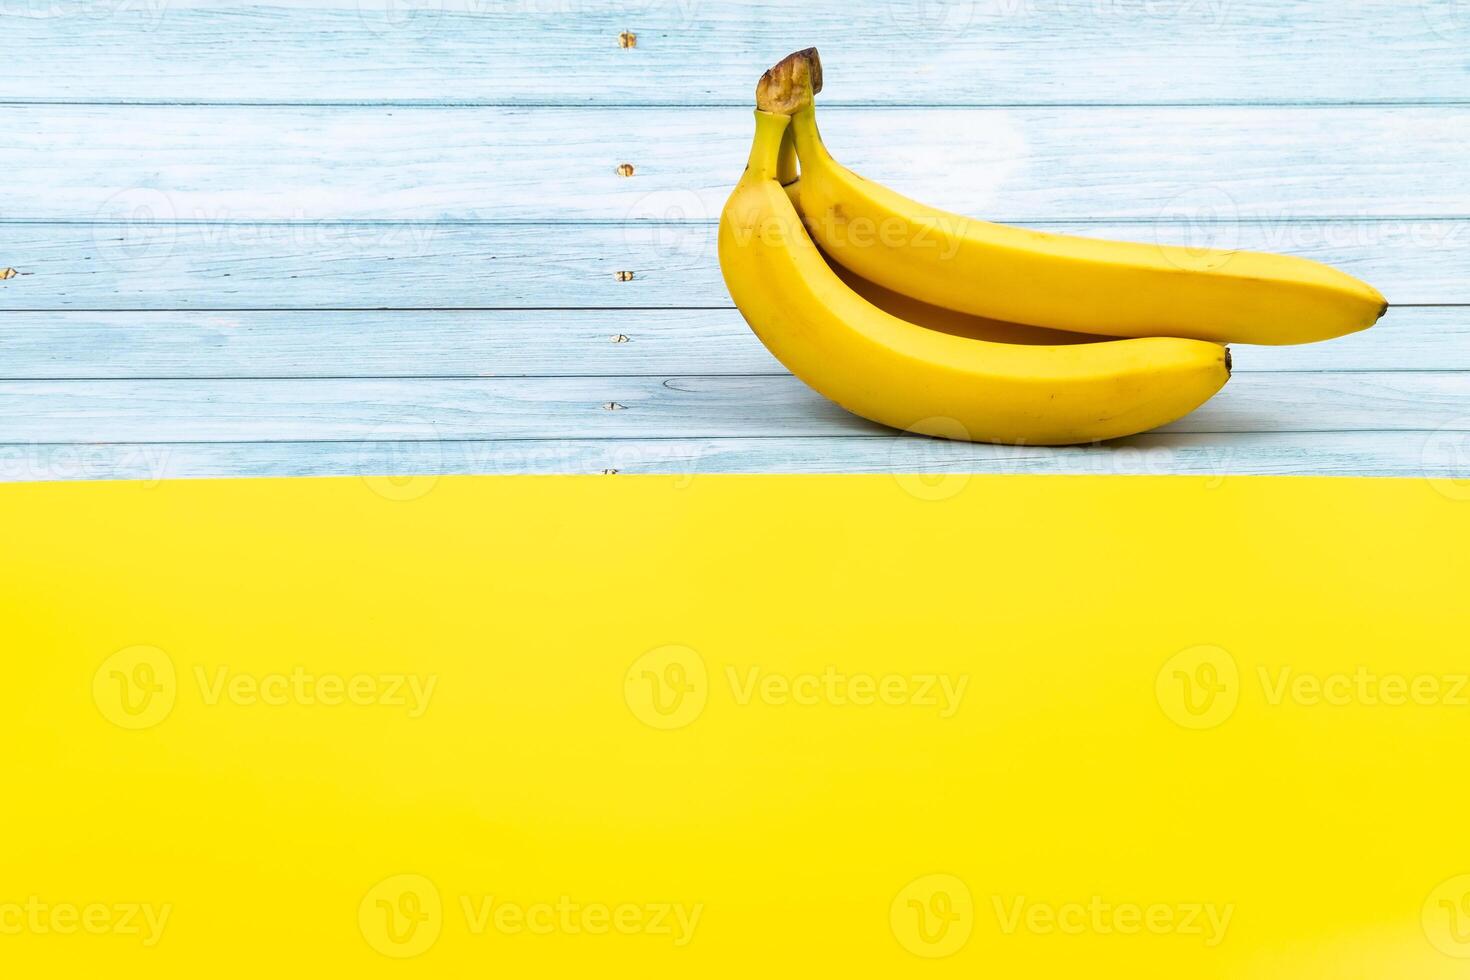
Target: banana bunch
{"points": [[965, 329]]}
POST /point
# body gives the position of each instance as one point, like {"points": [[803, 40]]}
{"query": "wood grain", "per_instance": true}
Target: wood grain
{"points": [[144, 264], [544, 343], [706, 52], [632, 408], [228, 164], [930, 467], [356, 237]]}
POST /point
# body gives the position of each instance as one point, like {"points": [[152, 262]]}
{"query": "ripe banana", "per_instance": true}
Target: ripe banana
{"points": [[1059, 281], [917, 311], [908, 376], [953, 321]]}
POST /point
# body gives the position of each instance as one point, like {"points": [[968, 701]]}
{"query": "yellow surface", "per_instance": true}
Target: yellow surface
{"points": [[659, 727]]}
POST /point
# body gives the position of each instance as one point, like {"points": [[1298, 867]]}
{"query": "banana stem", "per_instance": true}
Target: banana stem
{"points": [[790, 84], [765, 152], [786, 164], [806, 137]]}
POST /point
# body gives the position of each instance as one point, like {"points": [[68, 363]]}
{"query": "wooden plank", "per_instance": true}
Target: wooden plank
{"points": [[932, 467], [626, 408], [223, 165], [567, 51], [543, 343], [144, 264], [379, 344]]}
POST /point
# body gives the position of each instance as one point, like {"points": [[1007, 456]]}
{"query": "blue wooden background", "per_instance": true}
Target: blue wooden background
{"points": [[377, 236]]}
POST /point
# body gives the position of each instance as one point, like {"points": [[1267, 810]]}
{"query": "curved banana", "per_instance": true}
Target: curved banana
{"points": [[910, 377], [917, 311], [955, 322], [1060, 281]]}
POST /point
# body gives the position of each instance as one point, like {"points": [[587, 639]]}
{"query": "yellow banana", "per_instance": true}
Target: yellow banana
{"points": [[955, 322], [908, 376], [1063, 282], [917, 311]]}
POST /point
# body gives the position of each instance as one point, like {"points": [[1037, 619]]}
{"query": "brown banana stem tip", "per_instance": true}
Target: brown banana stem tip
{"points": [[790, 85]]}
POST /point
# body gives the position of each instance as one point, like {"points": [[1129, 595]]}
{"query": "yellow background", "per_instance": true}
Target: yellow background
{"points": [[1074, 610]]}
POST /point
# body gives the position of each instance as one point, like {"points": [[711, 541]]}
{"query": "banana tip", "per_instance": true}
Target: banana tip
{"points": [[1228, 362]]}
